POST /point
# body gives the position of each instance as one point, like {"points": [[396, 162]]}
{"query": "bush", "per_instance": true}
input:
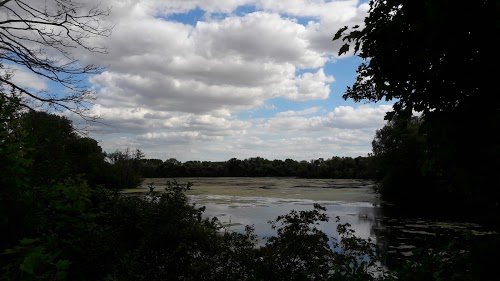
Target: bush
{"points": [[79, 232]]}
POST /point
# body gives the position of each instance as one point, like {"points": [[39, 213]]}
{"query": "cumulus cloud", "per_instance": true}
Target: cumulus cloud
{"points": [[239, 61], [142, 121], [300, 135], [325, 18], [25, 78], [258, 36], [306, 111], [361, 117], [179, 89], [178, 137], [342, 117], [312, 86]]}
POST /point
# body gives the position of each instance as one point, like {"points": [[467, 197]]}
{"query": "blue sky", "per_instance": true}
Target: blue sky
{"points": [[213, 80]]}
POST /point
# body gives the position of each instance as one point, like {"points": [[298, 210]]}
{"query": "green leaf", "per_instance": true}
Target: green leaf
{"points": [[31, 261], [63, 264], [344, 49], [339, 33]]}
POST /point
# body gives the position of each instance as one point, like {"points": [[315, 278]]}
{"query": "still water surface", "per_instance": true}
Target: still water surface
{"points": [[238, 202]]}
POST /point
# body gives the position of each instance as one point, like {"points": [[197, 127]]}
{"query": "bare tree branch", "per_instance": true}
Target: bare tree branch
{"points": [[41, 37], [3, 2]]}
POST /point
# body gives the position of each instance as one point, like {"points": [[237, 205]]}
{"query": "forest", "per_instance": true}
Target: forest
{"points": [[73, 224], [333, 168]]}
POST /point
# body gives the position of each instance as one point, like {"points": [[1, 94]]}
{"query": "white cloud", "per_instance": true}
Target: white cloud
{"points": [[311, 86], [178, 89], [236, 63], [326, 18], [25, 78], [179, 137], [300, 135], [306, 111], [257, 36], [360, 117], [342, 117]]}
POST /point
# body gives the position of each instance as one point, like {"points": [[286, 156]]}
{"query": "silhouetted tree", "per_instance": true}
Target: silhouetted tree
{"points": [[398, 155], [39, 37], [435, 59], [125, 168]]}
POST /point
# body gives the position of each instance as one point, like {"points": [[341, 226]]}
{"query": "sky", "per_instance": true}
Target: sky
{"points": [[214, 80]]}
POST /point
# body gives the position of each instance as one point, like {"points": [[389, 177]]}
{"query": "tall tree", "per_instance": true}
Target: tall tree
{"points": [[50, 135], [40, 37], [437, 59], [125, 168], [398, 156], [15, 160], [58, 151], [429, 56]]}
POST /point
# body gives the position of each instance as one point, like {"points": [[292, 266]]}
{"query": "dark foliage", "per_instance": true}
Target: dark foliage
{"points": [[59, 151], [435, 59], [124, 169], [65, 229], [333, 168]]}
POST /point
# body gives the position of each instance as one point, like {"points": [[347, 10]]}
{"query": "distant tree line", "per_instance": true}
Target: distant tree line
{"points": [[334, 168]]}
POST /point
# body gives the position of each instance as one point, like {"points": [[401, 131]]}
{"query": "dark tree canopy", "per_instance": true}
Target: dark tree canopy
{"points": [[428, 56], [41, 37], [437, 58], [58, 152], [399, 161]]}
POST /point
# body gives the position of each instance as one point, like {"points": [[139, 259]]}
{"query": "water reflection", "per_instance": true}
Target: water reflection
{"points": [[239, 202], [237, 212], [396, 234]]}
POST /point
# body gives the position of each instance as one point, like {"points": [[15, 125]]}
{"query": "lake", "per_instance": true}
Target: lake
{"points": [[238, 202]]}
